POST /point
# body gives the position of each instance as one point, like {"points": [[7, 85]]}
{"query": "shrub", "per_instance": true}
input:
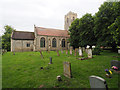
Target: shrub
{"points": [[96, 51]]}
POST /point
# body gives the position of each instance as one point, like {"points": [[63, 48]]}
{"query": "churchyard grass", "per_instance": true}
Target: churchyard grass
{"points": [[22, 70]]}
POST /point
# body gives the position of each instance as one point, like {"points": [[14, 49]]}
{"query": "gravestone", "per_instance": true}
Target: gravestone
{"points": [[61, 51], [80, 51], [97, 82], [83, 49], [67, 69], [41, 54], [71, 48], [89, 53], [118, 51], [50, 60], [66, 51], [115, 63], [57, 53], [75, 51]]}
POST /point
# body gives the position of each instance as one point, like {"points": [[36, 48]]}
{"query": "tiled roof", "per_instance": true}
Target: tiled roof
{"points": [[21, 35], [51, 32]]}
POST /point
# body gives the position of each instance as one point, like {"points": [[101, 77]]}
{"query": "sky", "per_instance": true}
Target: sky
{"points": [[23, 14]]}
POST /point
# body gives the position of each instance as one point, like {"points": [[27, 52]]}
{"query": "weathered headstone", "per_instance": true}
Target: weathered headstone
{"points": [[57, 53], [75, 51], [71, 48], [118, 51], [115, 63], [89, 53], [13, 53], [67, 69], [97, 82], [80, 51], [41, 54], [66, 51], [83, 49], [50, 60]]}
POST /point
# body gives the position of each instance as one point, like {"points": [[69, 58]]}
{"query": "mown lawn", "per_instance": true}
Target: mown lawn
{"points": [[22, 70]]}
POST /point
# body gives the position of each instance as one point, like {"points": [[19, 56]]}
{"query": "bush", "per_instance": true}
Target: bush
{"points": [[96, 51]]}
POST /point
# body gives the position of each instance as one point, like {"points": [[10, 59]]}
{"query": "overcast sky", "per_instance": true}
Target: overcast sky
{"points": [[23, 14]]}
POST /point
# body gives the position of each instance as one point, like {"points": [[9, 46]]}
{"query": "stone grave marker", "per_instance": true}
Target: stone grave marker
{"points": [[97, 82], [115, 63], [80, 51], [118, 51], [41, 54], [71, 48], [75, 51], [50, 60], [89, 53], [13, 53], [67, 69], [66, 51], [57, 53], [61, 50], [83, 49]]}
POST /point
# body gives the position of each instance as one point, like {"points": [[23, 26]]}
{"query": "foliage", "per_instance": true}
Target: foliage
{"points": [[6, 38], [81, 33], [25, 72], [96, 51], [106, 15]]}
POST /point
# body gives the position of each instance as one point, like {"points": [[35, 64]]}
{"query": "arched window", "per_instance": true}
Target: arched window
{"points": [[73, 18], [63, 42], [54, 42], [42, 42]]}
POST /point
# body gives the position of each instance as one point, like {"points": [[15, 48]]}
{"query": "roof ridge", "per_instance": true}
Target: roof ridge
{"points": [[49, 28], [24, 31]]}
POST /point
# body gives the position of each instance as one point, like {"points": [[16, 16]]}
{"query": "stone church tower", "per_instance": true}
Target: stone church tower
{"points": [[69, 18]]}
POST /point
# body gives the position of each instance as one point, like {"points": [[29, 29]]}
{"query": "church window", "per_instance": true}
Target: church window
{"points": [[73, 18], [54, 42], [42, 42], [28, 45], [63, 42]]}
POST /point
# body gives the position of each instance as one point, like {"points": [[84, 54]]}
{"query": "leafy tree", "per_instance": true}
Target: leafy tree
{"points": [[115, 30], [81, 31], [106, 15], [6, 38], [86, 35]]}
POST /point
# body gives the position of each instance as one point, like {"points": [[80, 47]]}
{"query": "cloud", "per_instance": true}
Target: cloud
{"points": [[23, 14]]}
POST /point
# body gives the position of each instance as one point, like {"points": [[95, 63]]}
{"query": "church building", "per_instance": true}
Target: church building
{"points": [[42, 38]]}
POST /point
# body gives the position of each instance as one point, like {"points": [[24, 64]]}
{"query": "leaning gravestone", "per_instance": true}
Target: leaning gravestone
{"points": [[80, 51], [89, 53], [115, 63], [67, 69], [41, 54], [71, 48], [57, 53], [97, 82]]}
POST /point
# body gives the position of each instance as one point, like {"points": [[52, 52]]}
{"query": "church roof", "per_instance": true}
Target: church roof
{"points": [[22, 35], [51, 32]]}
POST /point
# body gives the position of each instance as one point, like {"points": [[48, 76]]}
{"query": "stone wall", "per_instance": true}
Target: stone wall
{"points": [[21, 45], [48, 43]]}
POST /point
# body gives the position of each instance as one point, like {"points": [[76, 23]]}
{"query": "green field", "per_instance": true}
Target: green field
{"points": [[22, 70]]}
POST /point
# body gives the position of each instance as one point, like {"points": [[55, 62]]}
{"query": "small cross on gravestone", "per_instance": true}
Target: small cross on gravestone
{"points": [[41, 54], [67, 69], [97, 82], [57, 53]]}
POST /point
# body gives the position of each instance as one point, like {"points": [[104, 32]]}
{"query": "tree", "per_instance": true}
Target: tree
{"points": [[115, 30], [81, 31], [106, 15], [6, 38], [86, 35]]}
